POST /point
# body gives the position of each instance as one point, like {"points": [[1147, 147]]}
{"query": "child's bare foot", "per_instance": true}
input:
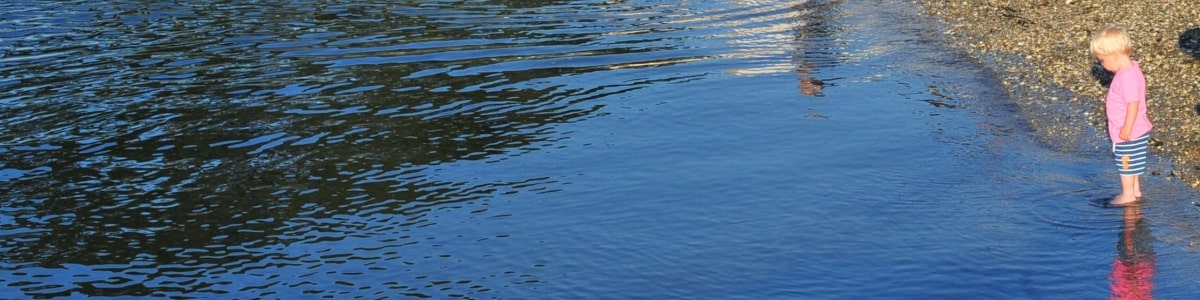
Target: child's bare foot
{"points": [[1123, 199]]}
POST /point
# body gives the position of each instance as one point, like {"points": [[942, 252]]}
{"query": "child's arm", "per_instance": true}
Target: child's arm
{"points": [[1130, 115]]}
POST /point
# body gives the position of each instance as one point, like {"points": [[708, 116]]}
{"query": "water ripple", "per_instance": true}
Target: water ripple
{"points": [[288, 149]]}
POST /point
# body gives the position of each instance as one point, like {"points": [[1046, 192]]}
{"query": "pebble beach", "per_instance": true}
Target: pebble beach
{"points": [[1038, 50]]}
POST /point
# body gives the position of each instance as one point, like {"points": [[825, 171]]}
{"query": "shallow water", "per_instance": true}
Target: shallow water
{"points": [[541, 149]]}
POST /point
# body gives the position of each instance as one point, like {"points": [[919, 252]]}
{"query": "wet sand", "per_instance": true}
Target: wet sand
{"points": [[1039, 51]]}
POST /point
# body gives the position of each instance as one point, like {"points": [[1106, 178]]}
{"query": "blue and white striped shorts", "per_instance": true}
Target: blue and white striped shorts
{"points": [[1131, 156]]}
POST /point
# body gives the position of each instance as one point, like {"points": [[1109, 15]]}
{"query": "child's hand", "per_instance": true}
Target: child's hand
{"points": [[1124, 135]]}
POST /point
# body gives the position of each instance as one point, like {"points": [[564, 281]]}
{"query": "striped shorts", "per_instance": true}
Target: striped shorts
{"points": [[1131, 156]]}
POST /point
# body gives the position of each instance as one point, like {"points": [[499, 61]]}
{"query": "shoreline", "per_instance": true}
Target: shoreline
{"points": [[1039, 52]]}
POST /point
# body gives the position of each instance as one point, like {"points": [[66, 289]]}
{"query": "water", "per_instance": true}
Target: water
{"points": [[544, 149]]}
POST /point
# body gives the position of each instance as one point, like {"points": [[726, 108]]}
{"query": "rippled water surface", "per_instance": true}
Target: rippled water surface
{"points": [[543, 149]]}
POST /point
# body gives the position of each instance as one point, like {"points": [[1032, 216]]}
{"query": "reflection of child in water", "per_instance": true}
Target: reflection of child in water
{"points": [[1134, 266], [808, 86]]}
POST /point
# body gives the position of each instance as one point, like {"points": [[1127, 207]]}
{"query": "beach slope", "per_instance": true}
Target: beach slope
{"points": [[1039, 51]]}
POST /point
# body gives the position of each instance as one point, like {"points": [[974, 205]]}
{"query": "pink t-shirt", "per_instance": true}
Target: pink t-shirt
{"points": [[1128, 86]]}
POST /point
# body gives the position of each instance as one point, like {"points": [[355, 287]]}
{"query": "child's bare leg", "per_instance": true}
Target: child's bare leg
{"points": [[1127, 196], [1137, 186]]}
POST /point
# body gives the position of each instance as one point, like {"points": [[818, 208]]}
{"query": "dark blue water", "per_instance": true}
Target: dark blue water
{"points": [[546, 149]]}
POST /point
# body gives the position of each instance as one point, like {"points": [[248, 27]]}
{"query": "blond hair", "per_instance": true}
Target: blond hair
{"points": [[1111, 40]]}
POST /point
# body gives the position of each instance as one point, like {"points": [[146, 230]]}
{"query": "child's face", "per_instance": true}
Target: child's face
{"points": [[1107, 61]]}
